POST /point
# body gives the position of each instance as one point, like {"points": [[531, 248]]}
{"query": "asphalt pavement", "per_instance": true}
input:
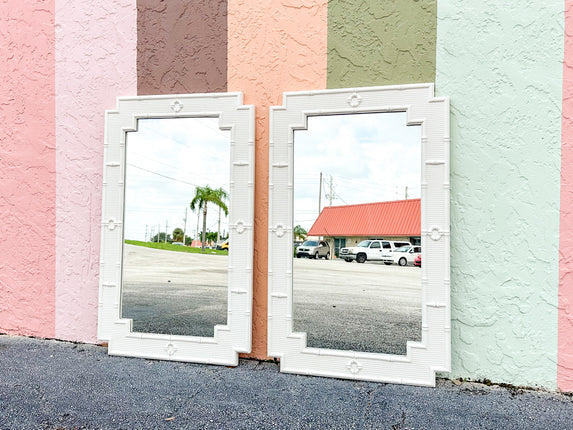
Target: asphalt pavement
{"points": [[47, 384]]}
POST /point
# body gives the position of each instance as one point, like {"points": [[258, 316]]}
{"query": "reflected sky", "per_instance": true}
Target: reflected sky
{"points": [[371, 157], [165, 160]]}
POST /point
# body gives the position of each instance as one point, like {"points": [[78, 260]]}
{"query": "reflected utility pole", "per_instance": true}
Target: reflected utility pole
{"points": [[185, 225], [319, 192], [330, 194]]}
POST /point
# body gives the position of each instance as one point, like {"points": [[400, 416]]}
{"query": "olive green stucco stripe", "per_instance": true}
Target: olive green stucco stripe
{"points": [[381, 42], [181, 46]]}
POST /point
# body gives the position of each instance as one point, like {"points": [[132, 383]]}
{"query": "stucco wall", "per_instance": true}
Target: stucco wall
{"points": [[375, 42], [95, 63], [501, 66], [565, 348], [181, 47], [275, 46], [27, 168]]}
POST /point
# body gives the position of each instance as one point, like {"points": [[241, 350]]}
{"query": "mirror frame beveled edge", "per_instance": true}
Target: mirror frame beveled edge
{"points": [[433, 353], [233, 338]]}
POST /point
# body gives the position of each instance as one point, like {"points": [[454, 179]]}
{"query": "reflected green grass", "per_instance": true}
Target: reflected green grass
{"points": [[177, 248]]}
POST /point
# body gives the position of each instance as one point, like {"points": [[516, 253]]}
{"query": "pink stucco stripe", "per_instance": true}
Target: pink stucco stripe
{"points": [[274, 46], [96, 46], [565, 336], [27, 168]]}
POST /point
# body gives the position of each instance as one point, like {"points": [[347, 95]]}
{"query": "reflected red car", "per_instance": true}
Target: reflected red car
{"points": [[418, 261]]}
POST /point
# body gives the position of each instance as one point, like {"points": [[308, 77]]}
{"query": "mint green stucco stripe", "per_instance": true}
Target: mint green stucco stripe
{"points": [[375, 42], [500, 63]]}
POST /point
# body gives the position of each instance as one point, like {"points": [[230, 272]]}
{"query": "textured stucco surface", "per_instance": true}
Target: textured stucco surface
{"points": [[373, 42], [274, 46], [501, 66], [182, 46], [66, 62], [27, 168], [565, 361], [95, 63]]}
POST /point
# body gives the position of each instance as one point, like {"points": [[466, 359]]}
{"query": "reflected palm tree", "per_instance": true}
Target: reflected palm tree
{"points": [[178, 235], [204, 195]]}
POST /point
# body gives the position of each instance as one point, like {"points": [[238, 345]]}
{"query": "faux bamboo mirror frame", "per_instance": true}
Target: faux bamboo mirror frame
{"points": [[432, 353], [229, 339]]}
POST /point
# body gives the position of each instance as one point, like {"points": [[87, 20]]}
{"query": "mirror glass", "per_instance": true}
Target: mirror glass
{"points": [[174, 279], [357, 191]]}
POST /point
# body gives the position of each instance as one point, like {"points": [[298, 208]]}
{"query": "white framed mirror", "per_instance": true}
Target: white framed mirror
{"points": [[177, 228], [362, 168]]}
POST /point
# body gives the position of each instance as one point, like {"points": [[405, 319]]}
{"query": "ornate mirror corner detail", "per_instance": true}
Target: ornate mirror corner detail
{"points": [[436, 233], [111, 224], [292, 335], [354, 366], [186, 126], [354, 100], [176, 106], [280, 230], [171, 349], [240, 226]]}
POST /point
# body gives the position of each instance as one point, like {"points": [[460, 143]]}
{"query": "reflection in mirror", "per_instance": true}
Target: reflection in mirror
{"points": [[174, 280], [357, 178]]}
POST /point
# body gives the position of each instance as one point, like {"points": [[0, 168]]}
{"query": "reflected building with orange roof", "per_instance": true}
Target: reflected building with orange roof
{"points": [[348, 225]]}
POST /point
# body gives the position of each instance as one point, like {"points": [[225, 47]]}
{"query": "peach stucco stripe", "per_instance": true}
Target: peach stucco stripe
{"points": [[96, 45], [274, 46], [565, 337], [27, 168]]}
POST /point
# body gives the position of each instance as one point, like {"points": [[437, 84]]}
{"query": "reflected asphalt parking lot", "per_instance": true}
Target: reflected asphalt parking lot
{"points": [[174, 292], [364, 307], [361, 307]]}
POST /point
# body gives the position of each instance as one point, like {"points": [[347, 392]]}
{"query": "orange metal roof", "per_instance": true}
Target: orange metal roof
{"points": [[396, 218]]}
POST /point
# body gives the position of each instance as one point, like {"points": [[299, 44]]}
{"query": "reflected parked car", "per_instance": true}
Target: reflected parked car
{"points": [[371, 250], [402, 256], [224, 245], [313, 249]]}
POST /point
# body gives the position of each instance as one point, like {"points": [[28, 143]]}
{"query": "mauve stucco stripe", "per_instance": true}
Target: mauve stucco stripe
{"points": [[95, 63], [182, 46], [565, 336], [274, 46], [27, 166]]}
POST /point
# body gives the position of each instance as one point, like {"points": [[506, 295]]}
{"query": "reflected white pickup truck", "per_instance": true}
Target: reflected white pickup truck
{"points": [[370, 250]]}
